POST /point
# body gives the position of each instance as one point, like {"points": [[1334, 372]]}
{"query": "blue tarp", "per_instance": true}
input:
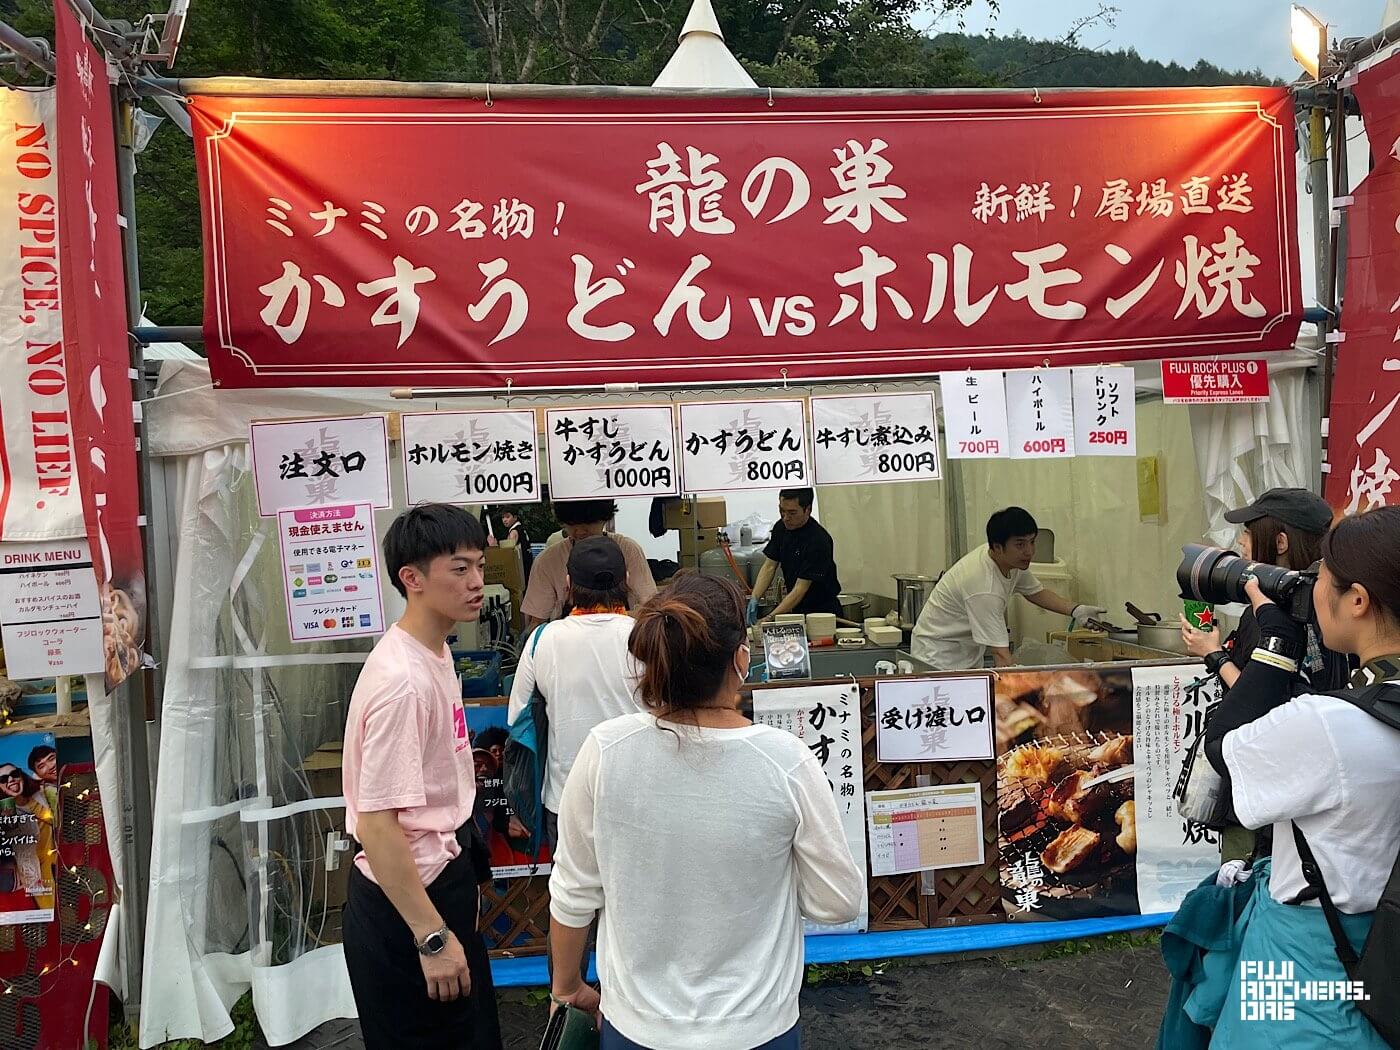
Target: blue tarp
{"points": [[895, 944]]}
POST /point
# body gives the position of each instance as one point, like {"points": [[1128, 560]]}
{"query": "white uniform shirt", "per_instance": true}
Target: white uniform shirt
{"points": [[966, 613], [1332, 768], [702, 850], [587, 676]]}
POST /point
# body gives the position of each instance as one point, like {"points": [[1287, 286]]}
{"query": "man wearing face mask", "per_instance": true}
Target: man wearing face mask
{"points": [[966, 614]]}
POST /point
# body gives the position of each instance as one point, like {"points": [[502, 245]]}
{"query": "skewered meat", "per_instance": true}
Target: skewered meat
{"points": [[1112, 753], [1072, 802], [1126, 818], [1071, 848], [1037, 764]]}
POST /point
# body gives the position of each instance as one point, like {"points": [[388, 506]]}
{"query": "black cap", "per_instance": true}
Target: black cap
{"points": [[1297, 507], [597, 564]]}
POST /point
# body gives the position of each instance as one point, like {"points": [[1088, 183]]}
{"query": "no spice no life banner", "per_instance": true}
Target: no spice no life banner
{"points": [[676, 240]]}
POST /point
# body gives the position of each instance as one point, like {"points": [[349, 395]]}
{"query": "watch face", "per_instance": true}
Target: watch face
{"points": [[434, 943]]}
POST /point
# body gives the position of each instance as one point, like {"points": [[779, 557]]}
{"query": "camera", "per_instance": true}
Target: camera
{"points": [[1210, 574]]}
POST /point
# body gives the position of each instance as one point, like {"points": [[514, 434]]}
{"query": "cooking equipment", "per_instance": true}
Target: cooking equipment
{"points": [[1166, 636], [1141, 617], [852, 607], [912, 591]]}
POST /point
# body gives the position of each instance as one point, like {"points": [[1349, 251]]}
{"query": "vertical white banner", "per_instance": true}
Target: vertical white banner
{"points": [[827, 719], [1169, 713], [38, 486], [974, 415], [1105, 411], [1040, 413]]}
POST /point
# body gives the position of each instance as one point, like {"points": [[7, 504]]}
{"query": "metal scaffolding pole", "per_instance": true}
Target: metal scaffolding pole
{"points": [[31, 49]]}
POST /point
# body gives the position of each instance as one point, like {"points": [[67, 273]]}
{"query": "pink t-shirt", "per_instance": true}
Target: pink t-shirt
{"points": [[407, 749]]}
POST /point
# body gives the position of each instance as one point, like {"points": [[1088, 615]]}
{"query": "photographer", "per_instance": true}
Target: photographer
{"points": [[1283, 527], [1325, 765]]}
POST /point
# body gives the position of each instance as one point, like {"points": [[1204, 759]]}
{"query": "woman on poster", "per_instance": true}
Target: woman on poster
{"points": [[27, 829]]}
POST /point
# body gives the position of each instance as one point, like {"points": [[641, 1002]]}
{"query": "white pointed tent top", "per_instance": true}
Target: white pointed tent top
{"points": [[702, 60], [701, 20]]}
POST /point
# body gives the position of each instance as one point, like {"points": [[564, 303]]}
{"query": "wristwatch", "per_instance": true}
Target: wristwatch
{"points": [[434, 942]]}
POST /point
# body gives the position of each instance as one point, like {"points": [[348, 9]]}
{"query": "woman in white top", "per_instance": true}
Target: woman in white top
{"points": [[701, 840], [1325, 765]]}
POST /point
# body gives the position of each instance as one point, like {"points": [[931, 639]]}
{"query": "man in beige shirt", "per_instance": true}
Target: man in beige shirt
{"points": [[549, 579]]}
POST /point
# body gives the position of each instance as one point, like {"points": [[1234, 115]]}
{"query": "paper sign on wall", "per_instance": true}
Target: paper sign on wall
{"points": [[1040, 413], [875, 438], [1105, 411], [933, 719], [603, 452], [470, 457], [729, 445], [320, 462], [50, 613], [926, 828], [974, 414], [330, 572], [827, 719]]}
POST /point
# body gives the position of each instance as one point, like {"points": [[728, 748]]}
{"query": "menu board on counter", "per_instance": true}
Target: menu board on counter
{"points": [[50, 612]]}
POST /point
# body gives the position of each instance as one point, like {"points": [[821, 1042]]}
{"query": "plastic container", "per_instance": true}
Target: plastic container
{"points": [[1031, 623], [886, 637], [479, 671], [821, 626]]}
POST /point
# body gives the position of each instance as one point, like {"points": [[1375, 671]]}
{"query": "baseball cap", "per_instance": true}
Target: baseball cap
{"points": [[1297, 507], [597, 564]]}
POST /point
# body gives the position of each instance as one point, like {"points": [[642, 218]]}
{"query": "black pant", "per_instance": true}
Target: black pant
{"points": [[386, 976]]}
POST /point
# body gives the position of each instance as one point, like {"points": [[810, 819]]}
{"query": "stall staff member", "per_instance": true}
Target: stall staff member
{"points": [[966, 614], [549, 578], [805, 552]]}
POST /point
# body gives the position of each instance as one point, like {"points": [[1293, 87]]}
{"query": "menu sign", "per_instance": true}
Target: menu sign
{"points": [[330, 572], [875, 438], [730, 445], [1040, 414], [50, 614], [471, 457], [1105, 411], [974, 415], [605, 452]]}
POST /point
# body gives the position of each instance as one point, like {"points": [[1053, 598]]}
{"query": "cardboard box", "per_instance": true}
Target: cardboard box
{"points": [[697, 541], [505, 567], [708, 513]]}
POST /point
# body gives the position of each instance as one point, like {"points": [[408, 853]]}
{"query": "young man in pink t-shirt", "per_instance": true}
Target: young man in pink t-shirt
{"points": [[418, 966]]}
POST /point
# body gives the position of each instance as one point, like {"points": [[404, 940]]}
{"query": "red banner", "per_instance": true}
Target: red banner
{"points": [[98, 362], [387, 241], [1363, 444]]}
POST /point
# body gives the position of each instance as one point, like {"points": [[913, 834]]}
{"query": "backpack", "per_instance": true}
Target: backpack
{"points": [[1377, 968], [526, 758]]}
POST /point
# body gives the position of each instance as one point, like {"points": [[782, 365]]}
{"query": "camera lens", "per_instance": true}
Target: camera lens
{"points": [[1210, 574]]}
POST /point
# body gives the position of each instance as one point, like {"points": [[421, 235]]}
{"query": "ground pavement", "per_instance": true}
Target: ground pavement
{"points": [[1109, 999]]}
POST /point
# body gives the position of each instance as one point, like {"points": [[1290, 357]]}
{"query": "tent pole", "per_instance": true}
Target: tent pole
{"points": [[32, 50], [138, 693]]}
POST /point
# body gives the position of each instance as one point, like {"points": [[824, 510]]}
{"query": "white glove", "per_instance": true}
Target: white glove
{"points": [[1086, 612]]}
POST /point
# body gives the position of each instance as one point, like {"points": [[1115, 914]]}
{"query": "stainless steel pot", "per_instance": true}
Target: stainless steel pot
{"points": [[852, 607], [913, 590], [1165, 636]]}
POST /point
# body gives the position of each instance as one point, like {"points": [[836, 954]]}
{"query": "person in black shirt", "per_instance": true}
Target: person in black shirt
{"points": [[804, 551]]}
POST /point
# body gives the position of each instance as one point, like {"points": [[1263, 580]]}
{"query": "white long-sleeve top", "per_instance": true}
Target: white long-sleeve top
{"points": [[701, 850], [586, 675]]}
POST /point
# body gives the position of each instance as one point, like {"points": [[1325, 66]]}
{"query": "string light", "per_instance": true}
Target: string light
{"points": [[95, 897]]}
